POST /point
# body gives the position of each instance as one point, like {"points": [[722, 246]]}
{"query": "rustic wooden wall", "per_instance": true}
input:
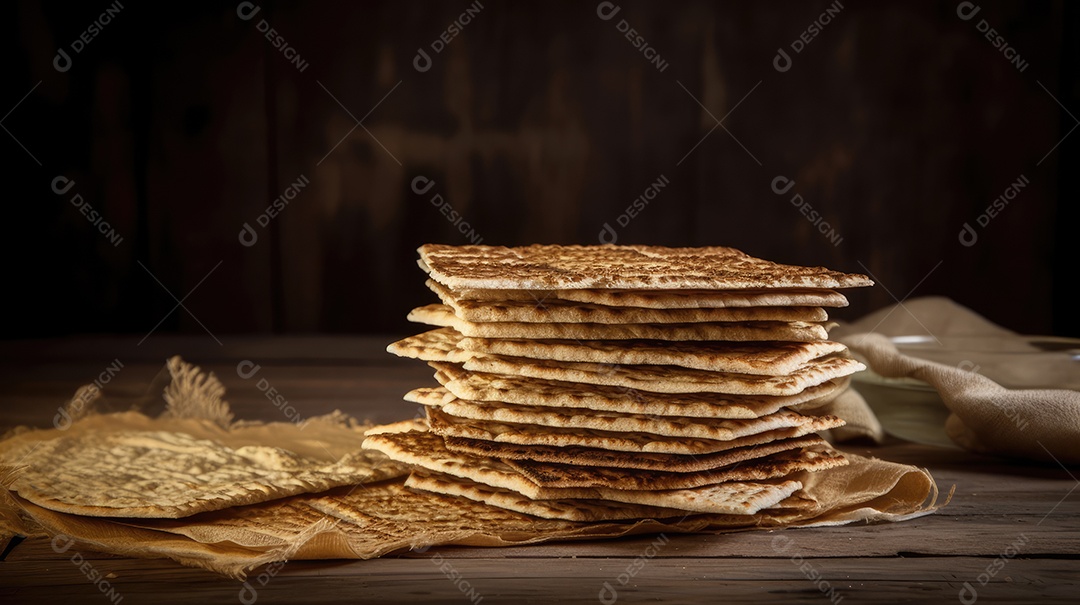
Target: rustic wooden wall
{"points": [[539, 122]]}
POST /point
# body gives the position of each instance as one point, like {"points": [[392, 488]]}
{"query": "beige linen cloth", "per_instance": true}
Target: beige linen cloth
{"points": [[1037, 424], [198, 487]]}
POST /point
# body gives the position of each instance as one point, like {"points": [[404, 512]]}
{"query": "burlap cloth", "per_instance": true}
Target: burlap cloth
{"points": [[240, 529], [1040, 424]]}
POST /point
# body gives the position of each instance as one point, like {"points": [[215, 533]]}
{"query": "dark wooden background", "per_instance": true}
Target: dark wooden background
{"points": [[539, 122]]}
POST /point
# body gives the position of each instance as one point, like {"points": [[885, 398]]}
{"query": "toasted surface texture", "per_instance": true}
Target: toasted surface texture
{"points": [[434, 345], [667, 379], [427, 451], [443, 316], [668, 426], [628, 460], [549, 267], [446, 425], [480, 386], [552, 310], [569, 510], [704, 299], [548, 474], [657, 299], [769, 358], [161, 474]]}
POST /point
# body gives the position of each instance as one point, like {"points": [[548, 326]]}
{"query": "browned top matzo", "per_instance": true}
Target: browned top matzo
{"points": [[659, 299], [763, 358], [586, 456], [446, 425], [428, 452], [443, 316], [768, 358], [549, 309], [550, 267], [571, 510], [722, 429], [666, 379], [703, 299], [480, 386], [764, 468]]}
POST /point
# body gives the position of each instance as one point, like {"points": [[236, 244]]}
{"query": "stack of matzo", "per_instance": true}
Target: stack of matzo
{"points": [[621, 382]]}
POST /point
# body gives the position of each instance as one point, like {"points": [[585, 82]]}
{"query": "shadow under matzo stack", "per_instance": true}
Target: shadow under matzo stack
{"points": [[592, 383]]}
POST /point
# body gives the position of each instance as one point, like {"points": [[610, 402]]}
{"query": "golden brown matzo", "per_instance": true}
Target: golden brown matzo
{"points": [[568, 510], [446, 425], [433, 345], [550, 267], [160, 474], [480, 386], [667, 379], [427, 451], [658, 299], [763, 468], [768, 358], [443, 316], [576, 418], [703, 299], [587, 456], [553, 310]]}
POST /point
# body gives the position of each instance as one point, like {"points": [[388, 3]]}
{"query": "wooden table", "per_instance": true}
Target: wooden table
{"points": [[999, 509]]}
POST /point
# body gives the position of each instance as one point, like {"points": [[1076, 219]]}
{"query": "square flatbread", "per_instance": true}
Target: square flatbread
{"points": [[569, 510], [552, 474], [587, 456], [668, 426], [659, 299], [553, 310], [443, 316], [766, 358], [551, 267], [700, 299], [792, 507], [481, 386], [163, 474], [433, 345], [793, 425], [666, 379], [427, 451]]}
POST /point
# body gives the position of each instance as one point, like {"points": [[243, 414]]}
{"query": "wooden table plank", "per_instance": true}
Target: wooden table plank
{"points": [[389, 580]]}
